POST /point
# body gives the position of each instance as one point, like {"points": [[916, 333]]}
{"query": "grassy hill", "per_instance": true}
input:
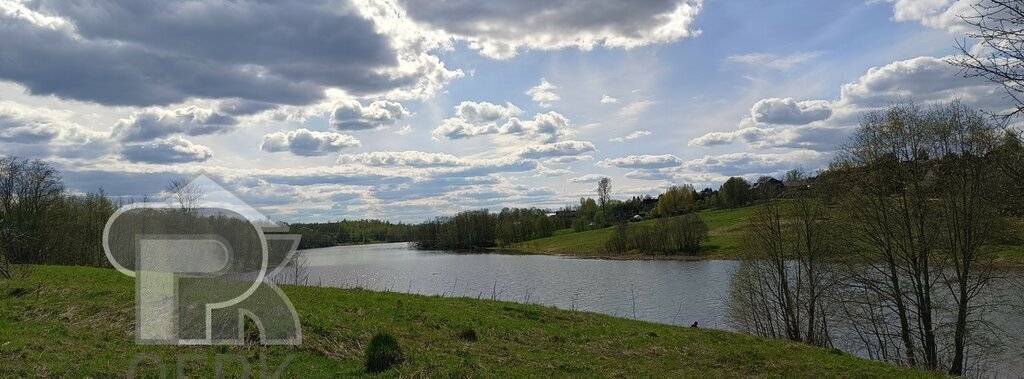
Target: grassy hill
{"points": [[78, 322], [725, 226]]}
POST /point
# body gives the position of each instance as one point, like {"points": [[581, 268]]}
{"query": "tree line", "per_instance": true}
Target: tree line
{"points": [[41, 222], [351, 232], [479, 229], [891, 247]]}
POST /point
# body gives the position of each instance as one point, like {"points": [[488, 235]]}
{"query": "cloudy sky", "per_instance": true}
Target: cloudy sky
{"points": [[398, 109]]}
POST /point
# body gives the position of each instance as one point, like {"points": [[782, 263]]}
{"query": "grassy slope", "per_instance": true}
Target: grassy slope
{"points": [[63, 321], [725, 231]]}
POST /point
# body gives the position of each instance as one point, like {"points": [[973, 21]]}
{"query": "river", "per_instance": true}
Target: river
{"points": [[672, 292]]}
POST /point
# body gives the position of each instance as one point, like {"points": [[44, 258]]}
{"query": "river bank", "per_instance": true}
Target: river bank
{"points": [[72, 321]]}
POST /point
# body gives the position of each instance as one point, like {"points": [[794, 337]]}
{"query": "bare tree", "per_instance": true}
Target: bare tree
{"points": [[295, 272], [781, 291], [967, 179], [28, 190], [918, 194], [889, 203], [999, 53], [184, 195]]}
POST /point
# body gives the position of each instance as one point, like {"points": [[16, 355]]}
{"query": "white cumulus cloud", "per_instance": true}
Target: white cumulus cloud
{"points": [[352, 115], [631, 136], [544, 93], [309, 143]]}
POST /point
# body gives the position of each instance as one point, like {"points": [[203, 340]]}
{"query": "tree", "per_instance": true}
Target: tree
{"points": [[782, 290], [999, 29], [676, 200], [735, 192], [604, 192], [28, 190], [794, 175], [185, 195], [586, 215], [918, 186], [967, 177]]}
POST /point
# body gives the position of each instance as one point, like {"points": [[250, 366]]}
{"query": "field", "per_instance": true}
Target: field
{"points": [[726, 226], [78, 322]]}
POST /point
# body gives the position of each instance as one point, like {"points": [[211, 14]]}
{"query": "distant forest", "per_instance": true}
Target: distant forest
{"points": [[351, 232], [478, 229]]}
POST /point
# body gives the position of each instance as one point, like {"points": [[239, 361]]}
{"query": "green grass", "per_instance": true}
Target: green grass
{"points": [[726, 226], [726, 239], [78, 322]]}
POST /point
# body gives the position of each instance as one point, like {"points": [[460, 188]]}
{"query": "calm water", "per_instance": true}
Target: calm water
{"points": [[672, 292], [663, 291]]}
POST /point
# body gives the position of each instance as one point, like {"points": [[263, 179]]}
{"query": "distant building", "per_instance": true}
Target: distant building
{"points": [[768, 184], [563, 213], [767, 187]]}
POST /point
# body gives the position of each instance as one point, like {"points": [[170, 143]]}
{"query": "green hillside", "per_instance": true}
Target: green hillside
{"points": [[78, 322], [725, 226]]}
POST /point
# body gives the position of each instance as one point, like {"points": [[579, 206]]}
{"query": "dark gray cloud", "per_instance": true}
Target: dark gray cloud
{"points": [[157, 123], [25, 132], [166, 151], [307, 143], [500, 28], [135, 185], [241, 107], [161, 52], [40, 133]]}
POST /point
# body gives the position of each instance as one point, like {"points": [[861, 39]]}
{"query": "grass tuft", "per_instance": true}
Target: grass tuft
{"points": [[468, 335], [17, 292], [383, 353]]}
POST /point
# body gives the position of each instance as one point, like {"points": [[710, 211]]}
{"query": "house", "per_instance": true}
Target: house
{"points": [[563, 213], [768, 186], [705, 194]]}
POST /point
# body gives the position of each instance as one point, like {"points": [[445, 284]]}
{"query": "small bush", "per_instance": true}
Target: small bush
{"points": [[383, 353], [619, 241], [468, 335]]}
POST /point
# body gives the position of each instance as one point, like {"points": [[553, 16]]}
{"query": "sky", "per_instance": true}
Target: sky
{"points": [[404, 110]]}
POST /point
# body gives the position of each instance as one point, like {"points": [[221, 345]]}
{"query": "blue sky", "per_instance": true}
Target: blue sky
{"points": [[404, 110]]}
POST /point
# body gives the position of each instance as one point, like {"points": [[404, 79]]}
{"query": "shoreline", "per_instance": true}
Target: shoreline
{"points": [[618, 257]]}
